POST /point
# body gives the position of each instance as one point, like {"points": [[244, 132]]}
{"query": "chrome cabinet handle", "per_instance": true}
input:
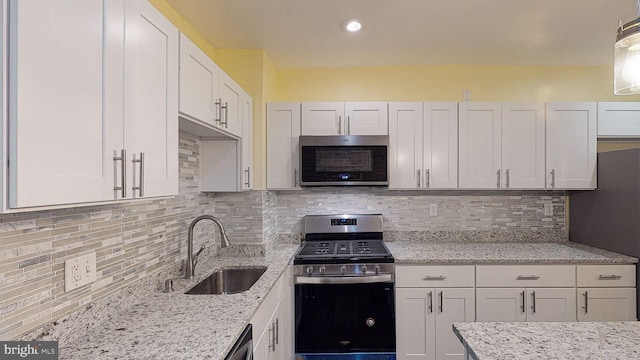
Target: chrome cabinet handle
{"points": [[272, 337], [295, 177], [498, 183], [123, 172], [609, 277], [248, 171], [553, 178], [427, 176], [529, 277], [523, 305], [586, 302], [339, 125], [441, 303], [418, 178], [506, 175], [348, 125], [277, 330], [218, 104], [226, 115], [429, 277], [140, 186], [430, 302], [533, 301]]}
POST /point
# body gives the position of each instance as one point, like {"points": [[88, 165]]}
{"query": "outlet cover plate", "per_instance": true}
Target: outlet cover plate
{"points": [[79, 271]]}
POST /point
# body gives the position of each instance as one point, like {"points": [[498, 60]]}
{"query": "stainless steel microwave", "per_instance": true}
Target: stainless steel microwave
{"points": [[344, 160]]}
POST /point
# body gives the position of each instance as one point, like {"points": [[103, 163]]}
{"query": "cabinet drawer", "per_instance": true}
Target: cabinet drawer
{"points": [[435, 276], [606, 275], [525, 275]]}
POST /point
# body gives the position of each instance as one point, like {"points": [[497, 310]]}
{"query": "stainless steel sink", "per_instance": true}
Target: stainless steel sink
{"points": [[228, 280]]}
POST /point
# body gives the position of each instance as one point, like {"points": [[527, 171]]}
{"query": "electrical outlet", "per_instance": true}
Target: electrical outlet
{"points": [[548, 209], [79, 271], [433, 209]]}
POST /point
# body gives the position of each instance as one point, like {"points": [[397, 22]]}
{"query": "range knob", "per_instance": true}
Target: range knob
{"points": [[343, 269], [364, 269], [309, 270], [376, 268], [322, 269]]}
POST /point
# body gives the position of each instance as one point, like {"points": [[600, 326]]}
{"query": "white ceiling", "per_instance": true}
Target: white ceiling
{"points": [[306, 33]]}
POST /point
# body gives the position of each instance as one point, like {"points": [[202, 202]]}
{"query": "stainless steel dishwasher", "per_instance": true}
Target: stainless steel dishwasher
{"points": [[243, 348]]}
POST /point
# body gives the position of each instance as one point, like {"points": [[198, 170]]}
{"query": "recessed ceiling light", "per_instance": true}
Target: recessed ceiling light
{"points": [[351, 25]]}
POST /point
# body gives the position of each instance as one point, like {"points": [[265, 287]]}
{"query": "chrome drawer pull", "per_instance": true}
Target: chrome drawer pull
{"points": [[530, 277], [429, 277], [123, 172], [609, 277]]}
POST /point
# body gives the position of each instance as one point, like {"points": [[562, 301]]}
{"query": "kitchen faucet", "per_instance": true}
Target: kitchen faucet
{"points": [[192, 259]]}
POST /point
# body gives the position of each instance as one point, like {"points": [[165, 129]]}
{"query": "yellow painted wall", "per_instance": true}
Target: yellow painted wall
{"points": [[447, 82]]}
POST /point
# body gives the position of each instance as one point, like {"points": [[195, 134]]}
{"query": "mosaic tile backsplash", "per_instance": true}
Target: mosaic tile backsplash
{"points": [[139, 243]]}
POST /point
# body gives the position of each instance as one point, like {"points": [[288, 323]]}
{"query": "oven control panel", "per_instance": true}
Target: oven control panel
{"points": [[343, 270]]}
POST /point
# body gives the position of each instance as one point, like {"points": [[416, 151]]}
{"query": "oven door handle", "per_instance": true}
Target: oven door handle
{"points": [[384, 278]]}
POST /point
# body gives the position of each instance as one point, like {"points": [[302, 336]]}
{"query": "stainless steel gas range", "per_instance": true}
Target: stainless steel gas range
{"points": [[344, 294]]}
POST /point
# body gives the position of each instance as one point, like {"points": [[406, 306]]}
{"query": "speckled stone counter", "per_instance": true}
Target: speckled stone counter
{"points": [[178, 326], [549, 340], [503, 253]]}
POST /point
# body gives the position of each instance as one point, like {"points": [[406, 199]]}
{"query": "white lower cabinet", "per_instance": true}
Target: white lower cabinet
{"points": [[273, 322], [525, 293], [525, 304], [606, 293], [424, 314]]}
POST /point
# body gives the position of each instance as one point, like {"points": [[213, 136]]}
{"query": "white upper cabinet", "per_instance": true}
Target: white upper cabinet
{"points": [[337, 118], [423, 145], [199, 79], [571, 145], [479, 145], [58, 131], [151, 100], [283, 136], [523, 146], [619, 119], [247, 142], [440, 146], [502, 145], [208, 96], [104, 77]]}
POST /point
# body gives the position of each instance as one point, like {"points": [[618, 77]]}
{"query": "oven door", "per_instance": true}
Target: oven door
{"points": [[345, 320]]}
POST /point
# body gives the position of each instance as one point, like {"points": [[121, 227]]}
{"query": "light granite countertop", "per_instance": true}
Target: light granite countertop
{"points": [[550, 340], [502, 253], [178, 326]]}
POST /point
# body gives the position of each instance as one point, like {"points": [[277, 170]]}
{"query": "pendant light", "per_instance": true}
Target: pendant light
{"points": [[626, 65]]}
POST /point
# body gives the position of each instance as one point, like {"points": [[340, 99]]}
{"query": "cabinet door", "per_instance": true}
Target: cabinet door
{"points": [[231, 106], [523, 146], [440, 149], [283, 132], [199, 78], [61, 143], [151, 98], [618, 119], [247, 142], [405, 145], [571, 145], [323, 118], [501, 304], [479, 146], [454, 305], [366, 118], [551, 304], [415, 323], [607, 304]]}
